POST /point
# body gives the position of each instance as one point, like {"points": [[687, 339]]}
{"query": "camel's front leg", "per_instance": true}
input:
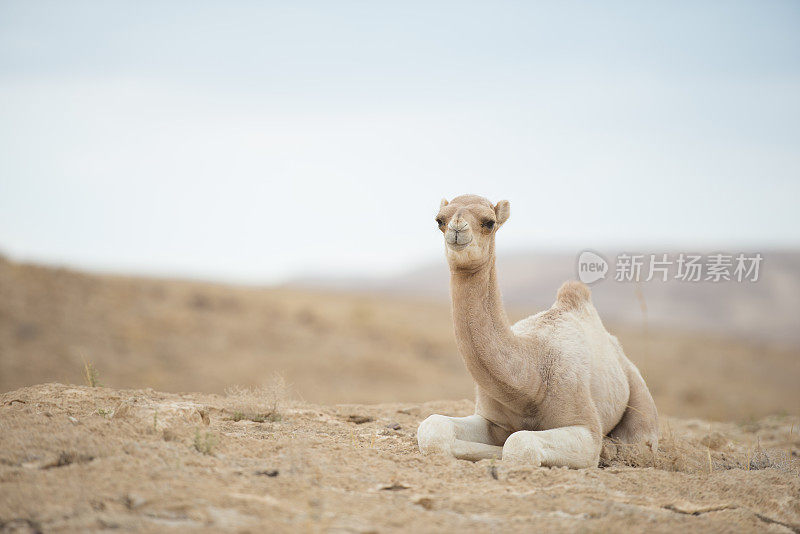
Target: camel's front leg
{"points": [[466, 438], [571, 446]]}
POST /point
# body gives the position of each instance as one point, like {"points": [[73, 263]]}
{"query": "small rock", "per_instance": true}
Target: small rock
{"points": [[68, 458], [395, 486], [394, 426], [360, 419], [493, 471], [268, 472], [690, 508], [132, 501], [204, 416], [425, 502]]}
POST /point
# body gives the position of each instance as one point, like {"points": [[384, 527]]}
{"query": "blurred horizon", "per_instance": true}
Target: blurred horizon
{"points": [[267, 142], [357, 280]]}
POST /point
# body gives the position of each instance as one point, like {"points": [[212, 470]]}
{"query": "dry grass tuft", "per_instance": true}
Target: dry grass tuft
{"points": [[678, 453], [259, 404], [90, 375]]}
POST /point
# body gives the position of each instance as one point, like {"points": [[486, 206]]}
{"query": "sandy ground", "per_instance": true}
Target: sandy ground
{"points": [[79, 458]]}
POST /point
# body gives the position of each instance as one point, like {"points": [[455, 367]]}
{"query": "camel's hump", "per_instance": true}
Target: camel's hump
{"points": [[573, 295]]}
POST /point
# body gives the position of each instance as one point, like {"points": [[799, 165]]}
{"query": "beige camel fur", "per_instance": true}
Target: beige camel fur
{"points": [[549, 387]]}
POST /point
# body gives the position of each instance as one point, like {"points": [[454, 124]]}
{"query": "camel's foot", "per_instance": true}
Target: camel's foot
{"points": [[436, 435], [572, 446], [464, 438]]}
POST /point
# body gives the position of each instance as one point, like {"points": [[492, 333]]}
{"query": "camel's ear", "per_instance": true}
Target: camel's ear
{"points": [[502, 211], [443, 203]]}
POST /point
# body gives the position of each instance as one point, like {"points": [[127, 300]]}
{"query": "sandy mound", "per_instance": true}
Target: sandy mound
{"points": [[75, 458]]}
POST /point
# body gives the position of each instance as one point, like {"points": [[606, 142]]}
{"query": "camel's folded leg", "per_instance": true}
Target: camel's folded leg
{"points": [[571, 446], [474, 451], [639, 423], [466, 438]]}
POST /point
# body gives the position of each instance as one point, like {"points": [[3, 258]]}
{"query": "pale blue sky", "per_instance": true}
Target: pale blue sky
{"points": [[255, 141]]}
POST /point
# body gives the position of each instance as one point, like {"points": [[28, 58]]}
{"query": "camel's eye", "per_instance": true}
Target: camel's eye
{"points": [[440, 222], [488, 224]]}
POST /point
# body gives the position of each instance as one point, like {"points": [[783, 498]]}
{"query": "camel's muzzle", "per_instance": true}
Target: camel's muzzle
{"points": [[458, 239]]}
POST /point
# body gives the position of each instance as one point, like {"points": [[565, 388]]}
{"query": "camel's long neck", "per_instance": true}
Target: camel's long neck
{"points": [[483, 334]]}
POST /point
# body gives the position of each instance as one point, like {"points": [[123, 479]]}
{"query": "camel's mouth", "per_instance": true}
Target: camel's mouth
{"points": [[458, 247]]}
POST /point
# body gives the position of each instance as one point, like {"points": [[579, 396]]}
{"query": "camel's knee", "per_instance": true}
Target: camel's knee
{"points": [[436, 434]]}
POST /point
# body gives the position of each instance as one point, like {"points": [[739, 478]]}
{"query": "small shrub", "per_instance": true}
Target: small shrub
{"points": [[260, 404], [90, 375], [273, 417], [204, 442]]}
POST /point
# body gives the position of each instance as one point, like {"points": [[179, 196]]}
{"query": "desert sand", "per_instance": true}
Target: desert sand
{"points": [[81, 458]]}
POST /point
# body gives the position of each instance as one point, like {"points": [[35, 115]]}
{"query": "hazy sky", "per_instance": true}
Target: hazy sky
{"points": [[257, 141]]}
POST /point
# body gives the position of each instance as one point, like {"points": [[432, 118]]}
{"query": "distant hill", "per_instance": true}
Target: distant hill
{"points": [[335, 346], [765, 311]]}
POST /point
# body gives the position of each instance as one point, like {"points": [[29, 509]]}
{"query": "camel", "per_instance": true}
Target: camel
{"points": [[549, 387]]}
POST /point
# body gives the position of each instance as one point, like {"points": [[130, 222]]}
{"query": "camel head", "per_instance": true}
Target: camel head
{"points": [[469, 223]]}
